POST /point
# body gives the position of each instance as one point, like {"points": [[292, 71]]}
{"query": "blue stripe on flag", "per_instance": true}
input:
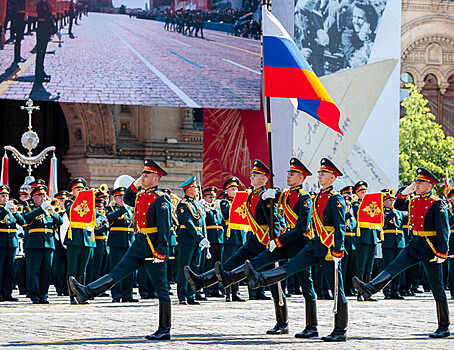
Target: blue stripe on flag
{"points": [[282, 52], [309, 106]]}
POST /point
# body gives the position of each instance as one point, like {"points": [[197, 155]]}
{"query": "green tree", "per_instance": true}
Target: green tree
{"points": [[423, 142]]}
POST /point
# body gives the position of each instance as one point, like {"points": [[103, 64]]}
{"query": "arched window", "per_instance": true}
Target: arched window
{"points": [[407, 78], [448, 108], [431, 92], [431, 79]]}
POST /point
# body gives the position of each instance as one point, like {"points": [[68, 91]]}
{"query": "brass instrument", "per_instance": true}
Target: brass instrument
{"points": [[16, 208], [103, 188], [54, 206]]}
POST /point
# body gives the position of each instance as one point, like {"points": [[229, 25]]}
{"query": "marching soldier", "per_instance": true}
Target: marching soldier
{"points": [[450, 198], [191, 239], [429, 220], [393, 242], [349, 261], [366, 240], [9, 218], [81, 242], [326, 248], [121, 237], [215, 234], [46, 28], [18, 28], [152, 219], [41, 225]]}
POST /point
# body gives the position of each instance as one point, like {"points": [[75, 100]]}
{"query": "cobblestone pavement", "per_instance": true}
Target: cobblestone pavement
{"points": [[122, 60], [386, 324]]}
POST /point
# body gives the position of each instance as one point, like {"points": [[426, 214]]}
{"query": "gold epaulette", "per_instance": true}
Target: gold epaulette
{"points": [[159, 193], [333, 192], [302, 191], [435, 198]]}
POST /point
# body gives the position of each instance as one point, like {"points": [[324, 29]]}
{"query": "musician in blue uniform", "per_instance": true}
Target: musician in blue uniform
{"points": [[152, 221], [428, 216], [326, 248]]}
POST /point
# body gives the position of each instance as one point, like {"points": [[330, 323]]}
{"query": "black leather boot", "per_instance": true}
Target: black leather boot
{"points": [[311, 330], [82, 279], [263, 279], [443, 321], [235, 296], [72, 298], [281, 326], [339, 333], [198, 282], [367, 279], [165, 317], [377, 284], [359, 297], [83, 293], [227, 294], [227, 278]]}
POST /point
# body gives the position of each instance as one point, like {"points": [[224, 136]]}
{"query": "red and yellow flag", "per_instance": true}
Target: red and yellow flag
{"points": [[82, 213], [370, 212], [238, 213]]}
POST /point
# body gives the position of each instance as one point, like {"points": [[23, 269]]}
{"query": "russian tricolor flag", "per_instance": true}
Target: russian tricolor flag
{"points": [[288, 75]]}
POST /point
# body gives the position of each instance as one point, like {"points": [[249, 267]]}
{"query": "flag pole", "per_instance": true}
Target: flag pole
{"points": [[267, 3]]}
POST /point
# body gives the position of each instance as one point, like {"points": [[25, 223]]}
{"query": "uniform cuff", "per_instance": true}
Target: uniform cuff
{"points": [[441, 255], [337, 254], [401, 196], [159, 256], [278, 242], [133, 188]]}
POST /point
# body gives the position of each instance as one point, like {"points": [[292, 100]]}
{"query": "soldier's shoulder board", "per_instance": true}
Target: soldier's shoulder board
{"points": [[303, 192], [159, 193]]}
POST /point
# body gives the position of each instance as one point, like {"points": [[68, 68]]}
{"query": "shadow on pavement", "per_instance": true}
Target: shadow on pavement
{"points": [[9, 71]]}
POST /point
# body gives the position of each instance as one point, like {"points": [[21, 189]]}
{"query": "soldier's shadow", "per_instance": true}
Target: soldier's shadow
{"points": [[38, 91], [13, 68]]}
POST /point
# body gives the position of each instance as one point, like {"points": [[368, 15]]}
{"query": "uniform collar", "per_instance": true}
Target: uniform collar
{"points": [[327, 190], [230, 199], [151, 189], [258, 190], [426, 195], [296, 188], [188, 198]]}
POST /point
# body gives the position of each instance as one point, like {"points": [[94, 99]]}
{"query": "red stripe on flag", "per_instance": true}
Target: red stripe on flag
{"points": [[329, 115]]}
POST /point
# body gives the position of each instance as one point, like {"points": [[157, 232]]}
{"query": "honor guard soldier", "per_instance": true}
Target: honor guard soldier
{"points": [[349, 260], [393, 242], [450, 198], [258, 214], [9, 218], [191, 239], [215, 234], [121, 236], [46, 28], [428, 216], [328, 245], [40, 245], [152, 220], [80, 242], [366, 239], [18, 28]]}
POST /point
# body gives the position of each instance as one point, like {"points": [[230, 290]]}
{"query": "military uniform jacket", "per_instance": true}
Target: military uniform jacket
{"points": [[121, 230], [41, 229], [297, 208], [451, 235], [101, 236], [392, 230], [350, 234], [232, 236], [428, 218], [215, 230], [81, 237], [191, 222], [330, 207], [8, 230], [364, 235], [45, 18], [152, 220]]}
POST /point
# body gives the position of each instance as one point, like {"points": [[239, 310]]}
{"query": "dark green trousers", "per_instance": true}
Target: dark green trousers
{"points": [[78, 258], [7, 270], [122, 289], [59, 270], [189, 256], [365, 258], [39, 267], [389, 254]]}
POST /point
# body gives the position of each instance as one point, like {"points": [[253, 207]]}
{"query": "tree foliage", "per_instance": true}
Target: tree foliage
{"points": [[422, 141]]}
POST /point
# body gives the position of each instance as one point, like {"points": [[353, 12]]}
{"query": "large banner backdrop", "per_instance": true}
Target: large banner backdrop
{"points": [[232, 139]]}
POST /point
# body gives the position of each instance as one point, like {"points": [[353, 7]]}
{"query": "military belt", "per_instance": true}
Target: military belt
{"points": [[352, 234], [129, 229], [214, 227], [147, 230], [101, 237], [197, 227], [396, 231], [43, 230], [424, 233], [13, 230]]}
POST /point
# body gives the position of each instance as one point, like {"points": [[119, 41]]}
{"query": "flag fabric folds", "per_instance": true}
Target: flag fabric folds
{"points": [[5, 170], [82, 213], [53, 186], [370, 212], [238, 214], [288, 75]]}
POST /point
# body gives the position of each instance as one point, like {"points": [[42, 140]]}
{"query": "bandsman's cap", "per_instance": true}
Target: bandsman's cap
{"points": [[78, 182], [151, 167], [119, 191], [24, 190], [209, 190], [426, 176], [101, 194], [100, 202], [231, 181], [388, 193], [359, 186], [39, 190], [62, 195], [297, 166], [4, 189], [258, 167], [347, 190], [328, 166], [191, 182], [38, 182]]}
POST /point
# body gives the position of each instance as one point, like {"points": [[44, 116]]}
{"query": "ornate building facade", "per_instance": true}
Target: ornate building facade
{"points": [[428, 54]]}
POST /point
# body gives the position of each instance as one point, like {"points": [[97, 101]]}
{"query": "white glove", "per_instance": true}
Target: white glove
{"points": [[205, 243], [46, 205], [269, 193], [272, 246], [157, 261], [336, 259], [9, 205], [91, 228], [138, 182], [409, 189], [438, 260]]}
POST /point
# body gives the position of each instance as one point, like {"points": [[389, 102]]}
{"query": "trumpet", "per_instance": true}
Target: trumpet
{"points": [[103, 188], [16, 208], [54, 206]]}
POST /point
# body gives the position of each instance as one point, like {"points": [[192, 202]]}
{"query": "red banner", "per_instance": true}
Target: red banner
{"points": [[370, 212], [238, 214], [82, 213], [4, 178], [232, 139]]}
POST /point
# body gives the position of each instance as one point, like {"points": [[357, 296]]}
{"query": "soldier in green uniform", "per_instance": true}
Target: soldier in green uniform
{"points": [[9, 218], [366, 240], [191, 239], [450, 198], [121, 236], [429, 220], [326, 248], [80, 245], [20, 278], [393, 242], [215, 234], [152, 220], [349, 261], [41, 226]]}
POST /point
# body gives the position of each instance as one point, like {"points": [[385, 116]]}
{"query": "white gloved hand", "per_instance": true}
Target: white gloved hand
{"points": [[438, 260], [269, 193], [157, 261], [9, 205], [205, 243], [138, 182], [409, 189], [272, 246], [46, 205], [336, 259]]}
